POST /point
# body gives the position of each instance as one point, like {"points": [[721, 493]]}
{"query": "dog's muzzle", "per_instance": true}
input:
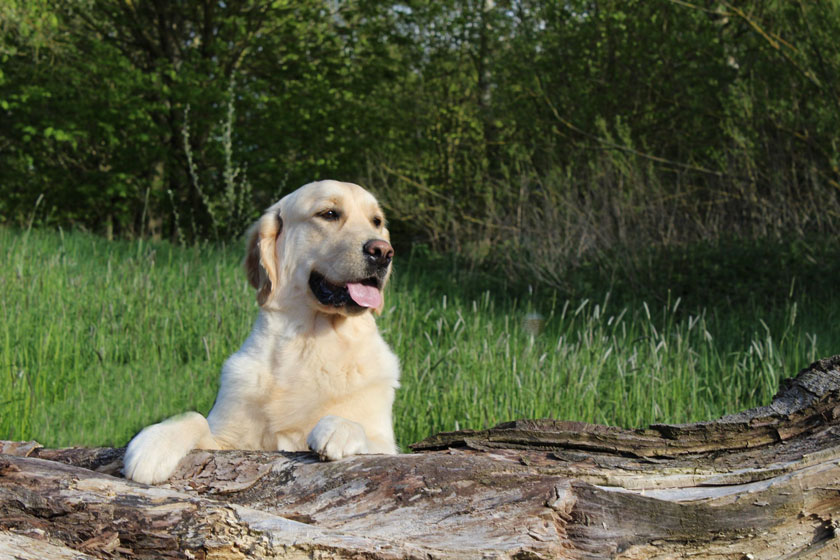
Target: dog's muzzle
{"points": [[362, 294], [357, 294]]}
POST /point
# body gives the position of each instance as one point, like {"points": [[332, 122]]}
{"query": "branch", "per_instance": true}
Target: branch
{"points": [[613, 146]]}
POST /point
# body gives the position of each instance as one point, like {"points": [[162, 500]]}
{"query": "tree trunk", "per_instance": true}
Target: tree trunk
{"points": [[764, 483]]}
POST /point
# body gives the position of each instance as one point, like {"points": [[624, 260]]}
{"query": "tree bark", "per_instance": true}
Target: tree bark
{"points": [[764, 483]]}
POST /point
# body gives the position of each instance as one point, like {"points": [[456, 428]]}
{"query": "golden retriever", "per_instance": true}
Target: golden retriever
{"points": [[315, 373]]}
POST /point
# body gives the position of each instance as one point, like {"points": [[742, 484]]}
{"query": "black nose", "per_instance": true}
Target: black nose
{"points": [[378, 252]]}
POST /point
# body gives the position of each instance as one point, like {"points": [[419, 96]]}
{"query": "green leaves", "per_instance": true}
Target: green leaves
{"points": [[470, 119], [58, 135]]}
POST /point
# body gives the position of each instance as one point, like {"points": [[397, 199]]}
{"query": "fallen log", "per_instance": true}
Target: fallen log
{"points": [[764, 483]]}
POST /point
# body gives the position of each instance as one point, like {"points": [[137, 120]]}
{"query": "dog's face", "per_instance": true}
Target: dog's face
{"points": [[325, 242]]}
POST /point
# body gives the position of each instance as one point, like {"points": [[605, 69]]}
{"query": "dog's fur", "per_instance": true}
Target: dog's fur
{"points": [[315, 372]]}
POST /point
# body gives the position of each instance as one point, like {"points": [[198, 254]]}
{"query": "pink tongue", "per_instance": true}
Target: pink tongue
{"points": [[366, 296]]}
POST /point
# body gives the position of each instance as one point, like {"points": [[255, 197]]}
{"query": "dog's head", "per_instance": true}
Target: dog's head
{"points": [[325, 244]]}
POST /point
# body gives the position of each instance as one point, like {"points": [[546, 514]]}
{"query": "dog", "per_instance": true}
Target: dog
{"points": [[315, 373]]}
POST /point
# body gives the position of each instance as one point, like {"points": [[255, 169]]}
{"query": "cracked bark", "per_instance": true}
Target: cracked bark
{"points": [[764, 483]]}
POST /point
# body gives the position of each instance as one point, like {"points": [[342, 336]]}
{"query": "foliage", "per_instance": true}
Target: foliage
{"points": [[538, 135], [101, 338]]}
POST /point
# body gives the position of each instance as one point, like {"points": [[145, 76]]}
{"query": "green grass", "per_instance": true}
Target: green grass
{"points": [[101, 338]]}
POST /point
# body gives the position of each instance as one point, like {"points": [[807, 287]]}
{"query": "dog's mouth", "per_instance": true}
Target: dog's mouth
{"points": [[362, 294]]}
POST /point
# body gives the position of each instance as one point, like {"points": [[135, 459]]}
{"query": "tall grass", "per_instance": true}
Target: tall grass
{"points": [[473, 362], [101, 338]]}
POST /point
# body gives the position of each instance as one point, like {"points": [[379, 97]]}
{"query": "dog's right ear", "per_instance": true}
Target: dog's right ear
{"points": [[261, 256]]}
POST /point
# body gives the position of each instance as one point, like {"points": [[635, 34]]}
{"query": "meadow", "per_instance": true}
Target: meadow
{"points": [[100, 338]]}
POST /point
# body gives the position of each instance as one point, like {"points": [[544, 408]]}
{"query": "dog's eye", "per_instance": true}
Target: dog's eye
{"points": [[377, 221], [330, 215]]}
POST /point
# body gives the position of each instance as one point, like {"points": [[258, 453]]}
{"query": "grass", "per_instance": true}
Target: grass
{"points": [[101, 338]]}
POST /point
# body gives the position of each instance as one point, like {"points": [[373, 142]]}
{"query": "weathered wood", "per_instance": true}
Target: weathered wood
{"points": [[764, 483]]}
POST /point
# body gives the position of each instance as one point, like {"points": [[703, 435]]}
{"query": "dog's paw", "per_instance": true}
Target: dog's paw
{"points": [[334, 437], [153, 455]]}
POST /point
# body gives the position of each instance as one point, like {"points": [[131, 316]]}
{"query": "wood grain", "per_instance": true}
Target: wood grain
{"points": [[763, 483]]}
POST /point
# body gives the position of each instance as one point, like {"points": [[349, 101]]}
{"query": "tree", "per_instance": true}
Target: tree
{"points": [[480, 124]]}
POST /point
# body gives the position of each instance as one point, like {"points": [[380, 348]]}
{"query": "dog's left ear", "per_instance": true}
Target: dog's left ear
{"points": [[261, 256]]}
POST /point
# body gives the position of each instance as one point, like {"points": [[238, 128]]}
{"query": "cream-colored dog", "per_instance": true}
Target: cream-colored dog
{"points": [[315, 372]]}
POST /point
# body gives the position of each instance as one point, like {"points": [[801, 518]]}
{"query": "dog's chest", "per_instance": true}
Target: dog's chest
{"points": [[309, 382], [327, 369]]}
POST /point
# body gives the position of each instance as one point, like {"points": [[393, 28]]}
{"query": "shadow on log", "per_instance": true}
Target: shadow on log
{"points": [[764, 483]]}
